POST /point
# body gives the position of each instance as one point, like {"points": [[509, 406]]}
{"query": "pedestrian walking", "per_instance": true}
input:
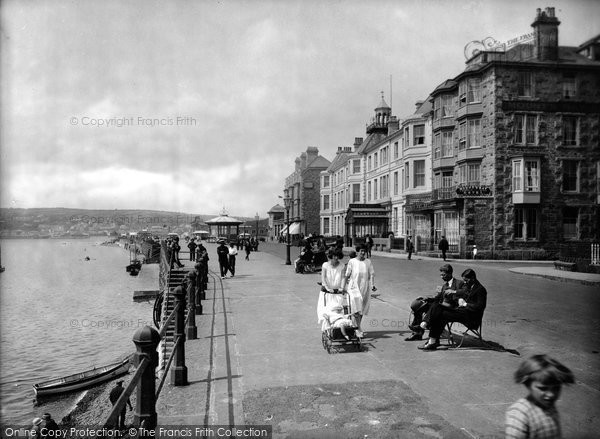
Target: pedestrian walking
{"points": [[360, 281], [535, 416], [114, 396], [231, 260], [223, 254], [443, 246], [247, 249]]}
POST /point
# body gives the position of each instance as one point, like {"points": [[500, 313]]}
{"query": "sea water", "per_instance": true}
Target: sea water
{"points": [[66, 306]]}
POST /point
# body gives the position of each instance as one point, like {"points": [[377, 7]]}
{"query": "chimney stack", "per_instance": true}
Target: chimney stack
{"points": [[545, 29], [357, 142], [393, 125]]}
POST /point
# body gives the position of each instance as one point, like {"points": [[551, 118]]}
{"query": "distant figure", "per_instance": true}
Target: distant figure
{"points": [[474, 251], [50, 426], [115, 393], [410, 248], [443, 246], [175, 247], [368, 245], [231, 260], [192, 246], [535, 416], [247, 249], [223, 254]]}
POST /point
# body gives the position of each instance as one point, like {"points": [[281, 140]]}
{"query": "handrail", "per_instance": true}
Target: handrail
{"points": [[165, 325], [120, 404], [164, 376]]}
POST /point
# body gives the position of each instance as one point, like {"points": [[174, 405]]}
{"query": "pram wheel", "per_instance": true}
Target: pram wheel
{"points": [[326, 342]]}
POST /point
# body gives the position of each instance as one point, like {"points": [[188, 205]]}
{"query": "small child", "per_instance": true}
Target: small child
{"points": [[535, 416], [337, 319]]}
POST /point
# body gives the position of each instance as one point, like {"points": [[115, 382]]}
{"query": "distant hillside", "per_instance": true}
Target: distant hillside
{"points": [[43, 218]]}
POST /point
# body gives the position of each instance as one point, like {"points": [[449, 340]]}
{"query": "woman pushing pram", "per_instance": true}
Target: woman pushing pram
{"points": [[335, 308]]}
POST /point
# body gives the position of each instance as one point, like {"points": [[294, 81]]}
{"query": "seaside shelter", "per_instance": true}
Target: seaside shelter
{"points": [[224, 226]]}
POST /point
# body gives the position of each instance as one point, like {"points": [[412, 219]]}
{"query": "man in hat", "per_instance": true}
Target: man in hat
{"points": [[115, 393], [445, 295], [223, 254], [36, 428]]}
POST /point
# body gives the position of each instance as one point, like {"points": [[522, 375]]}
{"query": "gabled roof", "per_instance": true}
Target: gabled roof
{"points": [[448, 84], [424, 109], [319, 162], [340, 160], [371, 139]]}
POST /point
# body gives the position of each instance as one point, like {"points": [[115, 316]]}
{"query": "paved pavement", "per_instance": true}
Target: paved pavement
{"points": [[259, 359]]}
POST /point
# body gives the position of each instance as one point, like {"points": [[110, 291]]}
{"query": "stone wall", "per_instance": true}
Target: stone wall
{"points": [[552, 154], [311, 200]]}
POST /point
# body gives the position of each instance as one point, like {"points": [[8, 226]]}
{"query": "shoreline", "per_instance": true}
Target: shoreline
{"points": [[94, 407]]}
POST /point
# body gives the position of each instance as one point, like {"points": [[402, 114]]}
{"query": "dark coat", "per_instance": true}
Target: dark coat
{"points": [[443, 244], [476, 298], [223, 253]]}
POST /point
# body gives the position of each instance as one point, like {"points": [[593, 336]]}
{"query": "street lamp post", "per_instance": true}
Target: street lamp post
{"points": [[256, 217], [287, 202]]}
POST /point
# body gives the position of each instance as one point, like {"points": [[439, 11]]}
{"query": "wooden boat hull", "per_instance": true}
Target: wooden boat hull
{"points": [[81, 380]]}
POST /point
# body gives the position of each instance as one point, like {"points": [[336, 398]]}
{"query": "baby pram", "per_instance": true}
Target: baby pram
{"points": [[332, 336]]}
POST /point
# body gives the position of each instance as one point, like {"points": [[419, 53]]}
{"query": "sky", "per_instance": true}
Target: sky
{"points": [[200, 106]]}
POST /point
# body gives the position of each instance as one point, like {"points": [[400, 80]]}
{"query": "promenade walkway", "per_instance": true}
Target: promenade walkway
{"points": [[259, 360]]}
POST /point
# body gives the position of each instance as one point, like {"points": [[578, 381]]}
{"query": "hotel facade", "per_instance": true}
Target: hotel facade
{"points": [[504, 156]]}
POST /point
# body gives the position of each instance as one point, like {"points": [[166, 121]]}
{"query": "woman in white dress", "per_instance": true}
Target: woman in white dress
{"points": [[332, 278], [360, 281]]}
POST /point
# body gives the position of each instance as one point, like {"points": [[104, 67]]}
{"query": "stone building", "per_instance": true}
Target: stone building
{"points": [[504, 156], [516, 148], [335, 193], [303, 186], [276, 222]]}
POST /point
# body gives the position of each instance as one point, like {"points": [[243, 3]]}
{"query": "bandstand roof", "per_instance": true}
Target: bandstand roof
{"points": [[224, 220]]}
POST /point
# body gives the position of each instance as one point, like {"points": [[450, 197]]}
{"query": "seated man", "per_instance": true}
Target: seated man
{"points": [[472, 299], [445, 293]]}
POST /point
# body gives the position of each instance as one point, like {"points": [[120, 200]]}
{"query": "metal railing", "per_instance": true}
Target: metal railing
{"points": [[146, 358]]}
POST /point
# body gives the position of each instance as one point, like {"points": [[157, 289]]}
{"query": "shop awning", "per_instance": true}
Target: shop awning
{"points": [[294, 229]]}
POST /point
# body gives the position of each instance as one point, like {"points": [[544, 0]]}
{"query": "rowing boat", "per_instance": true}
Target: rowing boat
{"points": [[81, 380]]}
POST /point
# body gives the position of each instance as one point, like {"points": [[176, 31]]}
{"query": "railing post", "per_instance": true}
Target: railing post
{"points": [[179, 371], [146, 341], [199, 287], [191, 331]]}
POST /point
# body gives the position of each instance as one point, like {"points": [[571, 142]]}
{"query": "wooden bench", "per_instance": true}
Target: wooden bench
{"points": [[565, 266]]}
